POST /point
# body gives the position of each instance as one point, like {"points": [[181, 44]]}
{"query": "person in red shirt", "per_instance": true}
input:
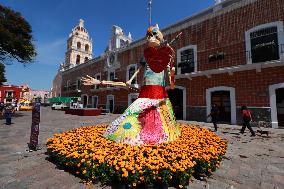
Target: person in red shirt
{"points": [[246, 114]]}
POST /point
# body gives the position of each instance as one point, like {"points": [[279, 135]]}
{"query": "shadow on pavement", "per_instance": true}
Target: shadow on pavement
{"points": [[18, 114]]}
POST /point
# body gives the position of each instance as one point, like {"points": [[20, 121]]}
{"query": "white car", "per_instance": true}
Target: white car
{"points": [[59, 106]]}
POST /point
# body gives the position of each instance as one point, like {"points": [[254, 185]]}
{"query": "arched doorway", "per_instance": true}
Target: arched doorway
{"points": [[276, 94], [222, 101], [177, 97], [224, 98]]}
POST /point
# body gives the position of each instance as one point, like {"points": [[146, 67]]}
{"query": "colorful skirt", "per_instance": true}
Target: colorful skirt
{"points": [[145, 121]]}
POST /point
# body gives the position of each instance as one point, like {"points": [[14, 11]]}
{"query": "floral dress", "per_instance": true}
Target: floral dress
{"points": [[150, 118]]}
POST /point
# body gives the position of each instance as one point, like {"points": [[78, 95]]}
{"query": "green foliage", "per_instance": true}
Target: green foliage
{"points": [[2, 74], [108, 175], [15, 37], [165, 175]]}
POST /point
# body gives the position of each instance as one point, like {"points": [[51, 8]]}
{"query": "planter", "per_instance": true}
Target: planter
{"points": [[150, 186], [163, 186], [118, 186]]}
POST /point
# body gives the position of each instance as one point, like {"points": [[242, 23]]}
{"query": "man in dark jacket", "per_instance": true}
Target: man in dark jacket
{"points": [[8, 111], [214, 115]]}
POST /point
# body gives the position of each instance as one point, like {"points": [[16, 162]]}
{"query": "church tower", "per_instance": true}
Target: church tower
{"points": [[118, 39], [79, 46]]}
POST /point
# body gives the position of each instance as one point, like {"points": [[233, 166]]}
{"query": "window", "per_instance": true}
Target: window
{"points": [[111, 59], [68, 85], [122, 43], [79, 84], [78, 45], [131, 69], [9, 94], [72, 86], [86, 59], [187, 59], [265, 43], [111, 76], [78, 59], [98, 77], [87, 48], [64, 88]]}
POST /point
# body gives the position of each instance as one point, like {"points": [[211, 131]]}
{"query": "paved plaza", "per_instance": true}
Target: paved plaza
{"points": [[256, 162]]}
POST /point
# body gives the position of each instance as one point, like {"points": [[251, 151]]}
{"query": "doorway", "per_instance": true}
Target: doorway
{"points": [[176, 98], [222, 100], [110, 103], [280, 106], [85, 101], [95, 102]]}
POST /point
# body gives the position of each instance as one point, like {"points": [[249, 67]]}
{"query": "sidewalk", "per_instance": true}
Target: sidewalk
{"points": [[250, 162]]}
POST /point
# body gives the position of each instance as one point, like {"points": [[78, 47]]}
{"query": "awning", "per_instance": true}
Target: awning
{"points": [[62, 99]]}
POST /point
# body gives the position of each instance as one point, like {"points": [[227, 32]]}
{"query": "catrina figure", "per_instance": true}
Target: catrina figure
{"points": [[150, 118]]}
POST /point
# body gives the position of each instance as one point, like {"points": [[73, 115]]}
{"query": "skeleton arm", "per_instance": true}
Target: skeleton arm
{"points": [[131, 79], [88, 80]]}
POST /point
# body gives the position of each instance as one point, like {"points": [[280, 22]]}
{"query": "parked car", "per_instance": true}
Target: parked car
{"points": [[25, 105], [59, 106]]}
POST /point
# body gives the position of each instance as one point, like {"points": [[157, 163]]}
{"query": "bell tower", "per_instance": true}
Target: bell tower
{"points": [[79, 46]]}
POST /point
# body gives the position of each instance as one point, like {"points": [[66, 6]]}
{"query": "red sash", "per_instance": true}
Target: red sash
{"points": [[153, 92]]}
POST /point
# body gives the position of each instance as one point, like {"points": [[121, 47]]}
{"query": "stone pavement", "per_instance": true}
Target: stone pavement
{"points": [[250, 163]]}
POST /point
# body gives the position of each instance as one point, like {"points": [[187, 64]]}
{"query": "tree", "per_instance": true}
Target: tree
{"points": [[2, 74], [15, 37]]}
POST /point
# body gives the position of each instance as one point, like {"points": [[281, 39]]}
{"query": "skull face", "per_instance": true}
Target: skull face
{"points": [[154, 36]]}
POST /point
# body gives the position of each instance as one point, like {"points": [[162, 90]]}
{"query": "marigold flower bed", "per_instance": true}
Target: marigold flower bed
{"points": [[85, 152]]}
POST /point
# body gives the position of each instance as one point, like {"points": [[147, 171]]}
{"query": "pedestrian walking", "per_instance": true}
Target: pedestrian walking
{"points": [[214, 115], [7, 112], [247, 118], [2, 105]]}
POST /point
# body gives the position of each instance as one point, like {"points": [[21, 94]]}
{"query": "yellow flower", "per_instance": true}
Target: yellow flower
{"points": [[87, 144]]}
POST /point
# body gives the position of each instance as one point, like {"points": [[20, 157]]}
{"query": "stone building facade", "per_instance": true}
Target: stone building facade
{"points": [[79, 46], [56, 85], [230, 54]]}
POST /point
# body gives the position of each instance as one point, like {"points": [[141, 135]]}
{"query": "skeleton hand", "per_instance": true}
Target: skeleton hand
{"points": [[88, 80], [128, 83]]}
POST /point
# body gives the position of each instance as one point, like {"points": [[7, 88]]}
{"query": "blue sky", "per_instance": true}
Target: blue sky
{"points": [[52, 21]]}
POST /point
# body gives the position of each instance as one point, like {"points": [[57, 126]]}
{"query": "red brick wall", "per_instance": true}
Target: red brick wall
{"points": [[252, 88], [226, 33], [223, 33]]}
